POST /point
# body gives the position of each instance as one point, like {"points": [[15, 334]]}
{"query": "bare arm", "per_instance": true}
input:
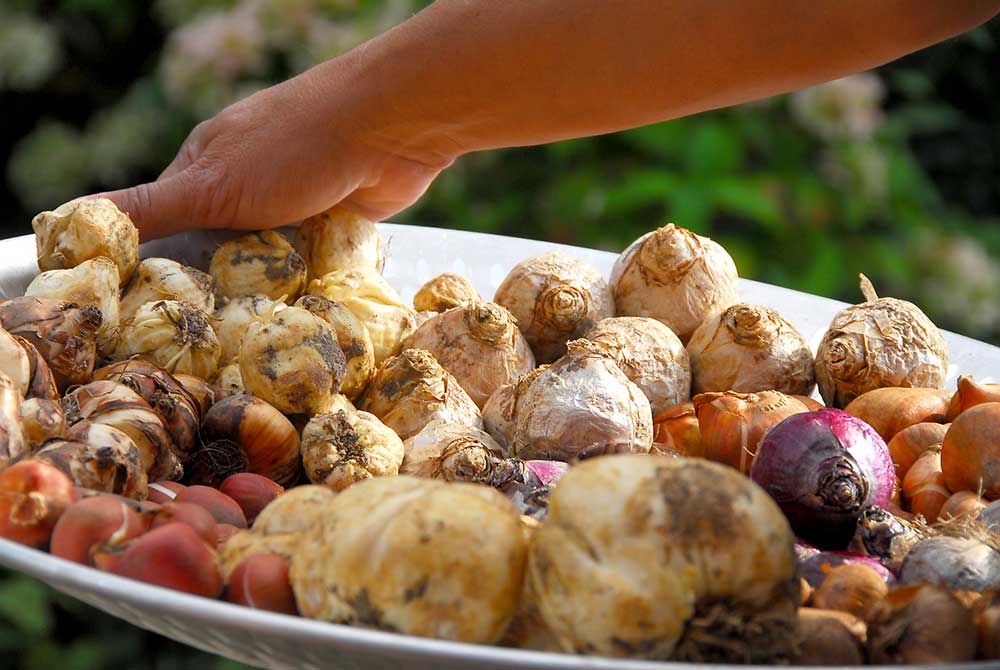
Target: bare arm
{"points": [[375, 126], [496, 74]]}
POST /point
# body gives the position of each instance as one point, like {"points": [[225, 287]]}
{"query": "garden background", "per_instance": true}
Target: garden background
{"points": [[894, 172]]}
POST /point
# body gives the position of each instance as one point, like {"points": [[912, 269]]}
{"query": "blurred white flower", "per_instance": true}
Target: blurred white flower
{"points": [[960, 284], [205, 58], [29, 52], [859, 167], [325, 39], [841, 109]]}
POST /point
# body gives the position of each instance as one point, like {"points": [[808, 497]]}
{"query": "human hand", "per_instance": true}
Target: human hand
{"points": [[277, 157]]}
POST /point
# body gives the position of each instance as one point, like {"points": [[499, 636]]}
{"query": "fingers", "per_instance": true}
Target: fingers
{"points": [[159, 208]]}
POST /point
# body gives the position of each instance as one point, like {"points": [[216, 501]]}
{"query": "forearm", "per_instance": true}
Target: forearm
{"points": [[465, 75]]}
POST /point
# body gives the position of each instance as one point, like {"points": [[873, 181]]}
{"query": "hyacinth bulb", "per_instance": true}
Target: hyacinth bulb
{"points": [[555, 297], [675, 276], [879, 343]]}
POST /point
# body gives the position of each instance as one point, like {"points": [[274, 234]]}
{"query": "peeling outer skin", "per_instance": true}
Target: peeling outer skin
{"points": [[86, 228], [177, 408], [98, 457], [375, 560], [341, 449], [412, 389], [455, 452], [676, 277], [174, 335], [262, 262], [353, 339], [15, 363], [245, 543], [750, 348], [582, 406], [479, 343], [158, 279], [292, 361], [555, 298], [12, 443], [376, 304], [443, 292], [294, 510], [884, 342], [650, 355], [338, 239], [659, 558], [64, 334], [43, 383], [116, 405]]}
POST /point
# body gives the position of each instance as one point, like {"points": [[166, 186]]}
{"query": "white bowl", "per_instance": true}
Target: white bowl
{"points": [[279, 641]]}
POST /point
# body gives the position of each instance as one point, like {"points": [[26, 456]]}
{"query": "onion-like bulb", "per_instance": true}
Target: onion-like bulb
{"points": [[970, 451], [113, 404], [83, 229], [338, 239], [453, 452], [676, 428], [93, 283], [98, 457], [267, 438], [231, 321], [879, 343], [479, 343], [676, 277], [376, 304], [732, 425], [749, 348], [352, 337], [259, 263], [293, 361], [174, 335], [555, 297], [650, 355], [500, 411], [412, 389], [164, 279], [41, 419], [582, 405], [375, 559], [732, 589], [64, 334], [12, 441], [971, 393], [444, 292], [347, 447], [180, 412], [921, 624]]}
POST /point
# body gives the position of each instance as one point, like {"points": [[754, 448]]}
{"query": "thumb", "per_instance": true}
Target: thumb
{"points": [[157, 209]]}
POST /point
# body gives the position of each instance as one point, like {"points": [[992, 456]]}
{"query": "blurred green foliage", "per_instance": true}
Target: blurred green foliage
{"points": [[895, 173]]}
